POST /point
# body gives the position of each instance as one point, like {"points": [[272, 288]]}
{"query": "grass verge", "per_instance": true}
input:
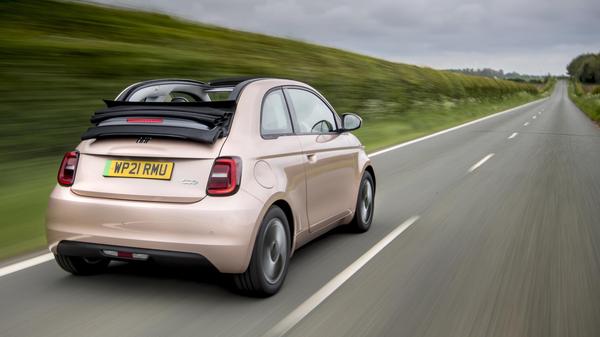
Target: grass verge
{"points": [[586, 98]]}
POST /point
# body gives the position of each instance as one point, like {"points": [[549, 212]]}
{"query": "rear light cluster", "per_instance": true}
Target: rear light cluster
{"points": [[68, 167], [225, 176]]}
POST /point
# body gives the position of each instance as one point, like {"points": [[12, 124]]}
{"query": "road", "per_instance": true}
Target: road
{"points": [[507, 243]]}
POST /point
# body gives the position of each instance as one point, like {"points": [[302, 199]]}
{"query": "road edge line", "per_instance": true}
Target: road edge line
{"points": [[34, 261]]}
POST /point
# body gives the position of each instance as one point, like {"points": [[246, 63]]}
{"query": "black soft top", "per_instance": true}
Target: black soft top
{"points": [[214, 116]]}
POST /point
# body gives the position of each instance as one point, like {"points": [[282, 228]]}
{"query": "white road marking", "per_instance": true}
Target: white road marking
{"points": [[395, 147], [36, 260], [526, 123], [481, 162], [514, 134], [317, 298], [15, 267], [539, 112], [534, 117]]}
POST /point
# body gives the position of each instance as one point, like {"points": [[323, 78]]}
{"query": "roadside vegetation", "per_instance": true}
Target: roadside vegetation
{"points": [[59, 59], [587, 98], [585, 68], [511, 76], [584, 89]]}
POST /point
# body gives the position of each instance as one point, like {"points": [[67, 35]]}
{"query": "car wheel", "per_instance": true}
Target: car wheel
{"points": [[270, 257], [81, 265], [365, 204]]}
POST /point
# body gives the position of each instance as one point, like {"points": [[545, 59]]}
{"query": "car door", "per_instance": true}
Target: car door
{"points": [[330, 161], [280, 161]]}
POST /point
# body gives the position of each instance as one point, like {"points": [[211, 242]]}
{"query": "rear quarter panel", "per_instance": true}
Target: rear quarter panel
{"points": [[273, 168]]}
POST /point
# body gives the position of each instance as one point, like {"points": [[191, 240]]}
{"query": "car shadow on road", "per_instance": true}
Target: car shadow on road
{"points": [[176, 277]]}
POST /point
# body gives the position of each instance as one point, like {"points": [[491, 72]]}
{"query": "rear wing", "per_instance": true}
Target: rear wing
{"points": [[203, 122]]}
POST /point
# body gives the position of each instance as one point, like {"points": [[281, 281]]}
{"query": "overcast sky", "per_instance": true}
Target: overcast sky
{"points": [[533, 37]]}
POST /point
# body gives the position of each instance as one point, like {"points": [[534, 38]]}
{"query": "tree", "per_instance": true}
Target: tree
{"points": [[585, 68]]}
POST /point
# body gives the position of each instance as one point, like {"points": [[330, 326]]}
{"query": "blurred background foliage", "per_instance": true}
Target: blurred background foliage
{"points": [[59, 59]]}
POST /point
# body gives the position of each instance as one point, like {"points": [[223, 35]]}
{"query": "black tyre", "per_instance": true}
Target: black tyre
{"points": [[81, 265], [270, 257], [365, 204]]}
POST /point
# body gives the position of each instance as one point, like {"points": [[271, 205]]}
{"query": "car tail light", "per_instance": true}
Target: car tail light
{"points": [[68, 166], [224, 177]]}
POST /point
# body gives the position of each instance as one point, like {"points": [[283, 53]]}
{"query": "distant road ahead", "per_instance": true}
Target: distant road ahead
{"points": [[507, 244]]}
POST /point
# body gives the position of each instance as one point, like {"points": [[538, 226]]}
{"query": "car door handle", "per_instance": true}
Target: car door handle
{"points": [[312, 157]]}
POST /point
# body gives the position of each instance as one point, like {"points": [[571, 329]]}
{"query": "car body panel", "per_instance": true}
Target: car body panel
{"points": [[187, 183], [151, 148], [220, 229], [192, 165], [330, 170]]}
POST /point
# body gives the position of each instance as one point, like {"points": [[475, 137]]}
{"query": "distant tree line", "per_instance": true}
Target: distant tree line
{"points": [[585, 68], [513, 76]]}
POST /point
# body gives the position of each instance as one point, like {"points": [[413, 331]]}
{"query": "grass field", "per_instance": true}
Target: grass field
{"points": [[587, 98], [59, 59]]}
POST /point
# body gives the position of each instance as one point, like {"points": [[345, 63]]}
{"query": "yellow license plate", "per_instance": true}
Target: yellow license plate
{"points": [[139, 169]]}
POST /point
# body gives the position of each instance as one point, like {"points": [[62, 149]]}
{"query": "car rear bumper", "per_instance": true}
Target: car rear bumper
{"points": [[94, 250], [220, 229]]}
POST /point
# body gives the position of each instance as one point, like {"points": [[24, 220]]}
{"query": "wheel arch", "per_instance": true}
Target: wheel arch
{"points": [[289, 214], [369, 168]]}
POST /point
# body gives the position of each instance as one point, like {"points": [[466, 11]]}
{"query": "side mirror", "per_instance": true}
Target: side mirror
{"points": [[350, 122]]}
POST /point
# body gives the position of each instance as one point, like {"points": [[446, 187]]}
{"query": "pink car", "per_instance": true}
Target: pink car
{"points": [[236, 174]]}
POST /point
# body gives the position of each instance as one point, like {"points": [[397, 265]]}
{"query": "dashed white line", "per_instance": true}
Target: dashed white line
{"points": [[526, 123], [481, 162], [539, 112], [312, 302], [395, 147], [534, 117], [15, 267], [514, 134]]}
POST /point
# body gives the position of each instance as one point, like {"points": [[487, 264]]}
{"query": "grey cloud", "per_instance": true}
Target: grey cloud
{"points": [[536, 36]]}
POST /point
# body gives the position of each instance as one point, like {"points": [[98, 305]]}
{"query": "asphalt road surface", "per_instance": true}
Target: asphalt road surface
{"points": [[507, 243]]}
